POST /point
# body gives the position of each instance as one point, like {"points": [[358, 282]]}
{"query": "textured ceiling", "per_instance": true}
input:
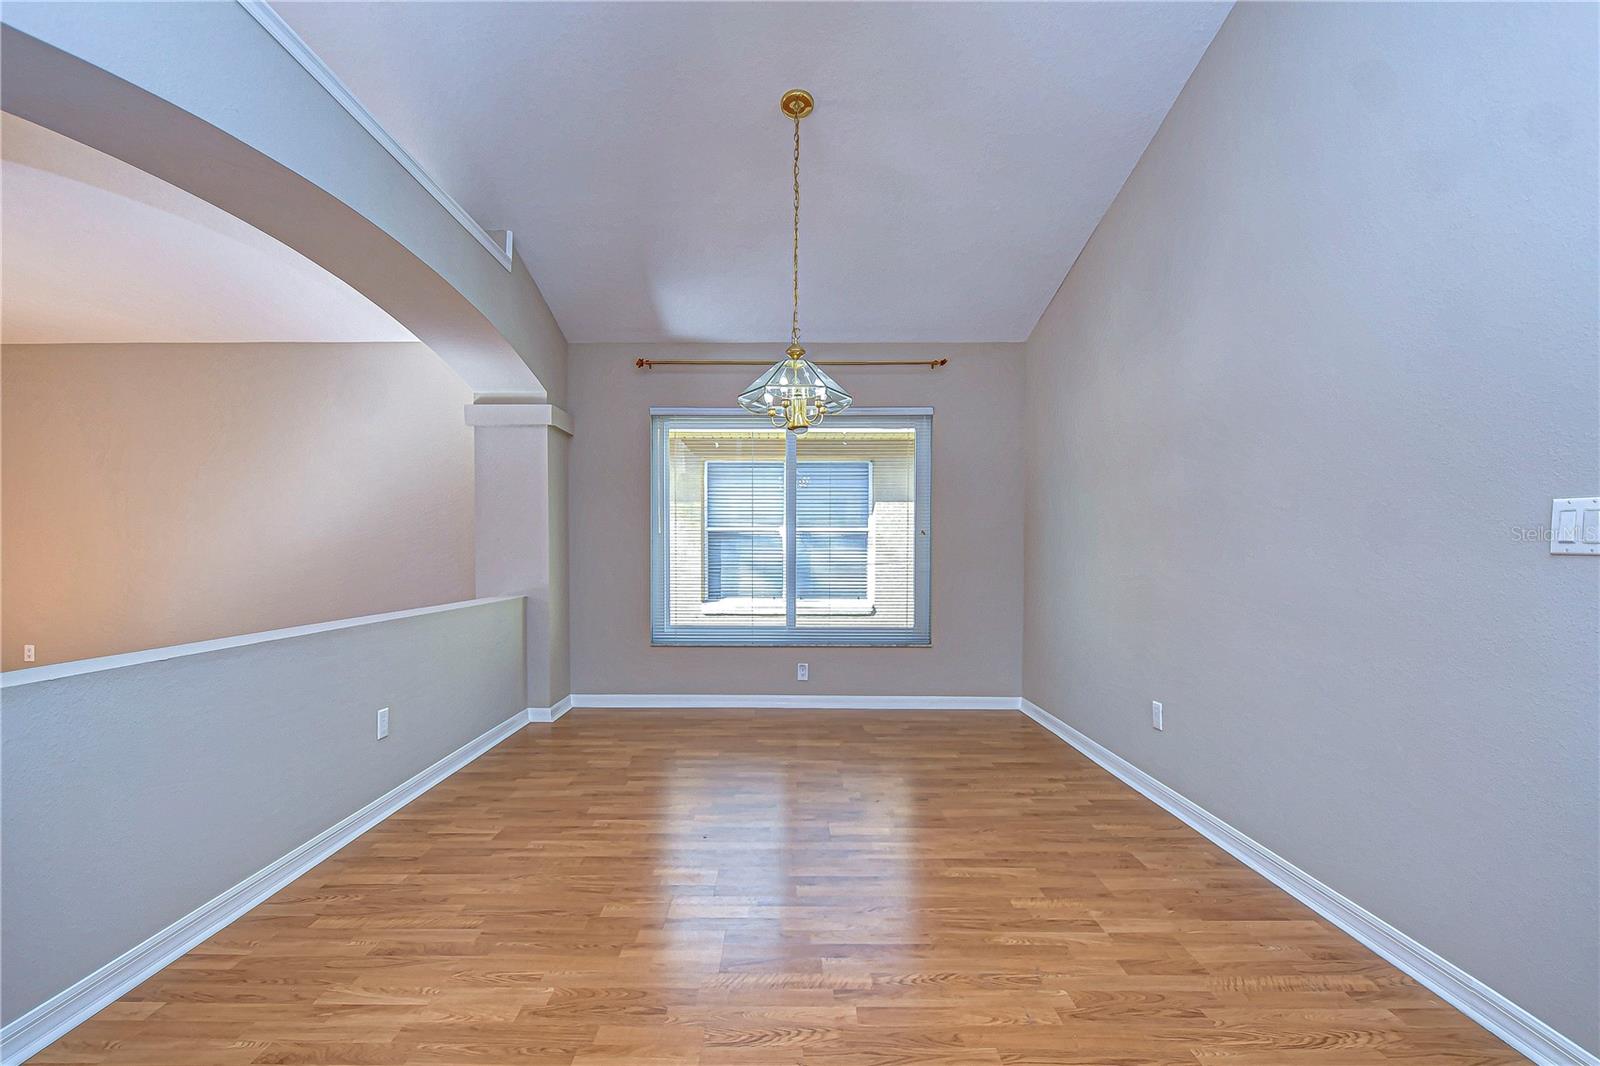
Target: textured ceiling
{"points": [[97, 251], [958, 160]]}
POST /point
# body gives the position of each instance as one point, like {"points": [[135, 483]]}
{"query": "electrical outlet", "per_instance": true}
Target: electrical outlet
{"points": [[1155, 715], [383, 723], [1575, 526], [28, 655], [802, 672]]}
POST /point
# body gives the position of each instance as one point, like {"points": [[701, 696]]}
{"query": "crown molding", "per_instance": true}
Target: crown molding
{"points": [[302, 53]]}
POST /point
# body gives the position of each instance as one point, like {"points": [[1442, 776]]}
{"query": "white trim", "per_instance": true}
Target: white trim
{"points": [[59, 1014], [508, 396], [34, 674], [786, 701], [552, 713], [519, 414], [302, 53], [1511, 1023]]}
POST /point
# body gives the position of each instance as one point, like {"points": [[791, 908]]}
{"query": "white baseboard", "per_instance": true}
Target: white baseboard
{"points": [[59, 1014], [1518, 1028], [789, 701], [552, 713]]}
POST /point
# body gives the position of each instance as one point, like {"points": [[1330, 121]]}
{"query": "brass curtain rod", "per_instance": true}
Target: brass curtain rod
{"points": [[648, 364]]}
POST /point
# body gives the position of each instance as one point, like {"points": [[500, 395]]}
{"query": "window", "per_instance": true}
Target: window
{"points": [[759, 537]]}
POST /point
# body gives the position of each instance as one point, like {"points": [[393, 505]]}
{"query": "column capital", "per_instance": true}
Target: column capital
{"points": [[519, 414]]}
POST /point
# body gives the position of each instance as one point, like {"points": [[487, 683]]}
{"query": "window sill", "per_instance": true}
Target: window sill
{"points": [[803, 638], [774, 608]]}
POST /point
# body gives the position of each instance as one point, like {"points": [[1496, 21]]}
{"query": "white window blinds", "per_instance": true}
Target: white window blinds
{"points": [[760, 537]]}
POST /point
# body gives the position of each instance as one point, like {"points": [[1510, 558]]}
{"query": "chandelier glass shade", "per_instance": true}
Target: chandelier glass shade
{"points": [[795, 394]]}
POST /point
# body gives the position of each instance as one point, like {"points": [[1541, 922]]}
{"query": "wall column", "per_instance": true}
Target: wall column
{"points": [[520, 512]]}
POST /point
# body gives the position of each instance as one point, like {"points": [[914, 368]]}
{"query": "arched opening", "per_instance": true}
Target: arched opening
{"points": [[205, 433]]}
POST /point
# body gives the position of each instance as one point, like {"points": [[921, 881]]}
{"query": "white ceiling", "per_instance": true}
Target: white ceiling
{"points": [[958, 160], [97, 251]]}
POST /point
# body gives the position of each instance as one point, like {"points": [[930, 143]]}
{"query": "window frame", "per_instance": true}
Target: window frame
{"points": [[787, 632]]}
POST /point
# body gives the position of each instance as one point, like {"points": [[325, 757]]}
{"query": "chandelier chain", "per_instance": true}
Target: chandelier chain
{"points": [[793, 394], [794, 322]]}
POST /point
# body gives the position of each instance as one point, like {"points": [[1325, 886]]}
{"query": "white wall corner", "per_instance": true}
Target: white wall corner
{"points": [[551, 713], [1511, 1023]]}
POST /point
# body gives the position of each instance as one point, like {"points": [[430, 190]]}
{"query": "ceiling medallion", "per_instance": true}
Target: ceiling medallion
{"points": [[795, 394]]}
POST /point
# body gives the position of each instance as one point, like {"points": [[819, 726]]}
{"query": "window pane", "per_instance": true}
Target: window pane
{"points": [[746, 565], [831, 565], [832, 495], [744, 494], [717, 479], [861, 574]]}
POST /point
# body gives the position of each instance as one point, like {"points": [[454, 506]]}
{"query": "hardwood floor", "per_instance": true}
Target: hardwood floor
{"points": [[817, 888]]}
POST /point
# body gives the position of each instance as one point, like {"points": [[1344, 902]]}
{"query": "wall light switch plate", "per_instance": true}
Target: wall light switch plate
{"points": [[1575, 526], [802, 672], [383, 723], [1155, 716]]}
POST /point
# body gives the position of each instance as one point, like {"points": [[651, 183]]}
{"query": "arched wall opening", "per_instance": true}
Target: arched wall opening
{"points": [[70, 95], [204, 433]]}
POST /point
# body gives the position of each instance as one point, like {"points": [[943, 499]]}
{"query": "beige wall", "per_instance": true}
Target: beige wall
{"points": [[977, 534], [1294, 421], [159, 494]]}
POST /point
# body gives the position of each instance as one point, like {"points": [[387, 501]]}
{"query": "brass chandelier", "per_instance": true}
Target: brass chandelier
{"points": [[795, 394]]}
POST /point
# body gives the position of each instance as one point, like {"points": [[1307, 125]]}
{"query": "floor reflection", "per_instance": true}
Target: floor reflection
{"points": [[793, 853]]}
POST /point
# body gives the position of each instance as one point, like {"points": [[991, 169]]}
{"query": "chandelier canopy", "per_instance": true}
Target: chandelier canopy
{"points": [[795, 394]]}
